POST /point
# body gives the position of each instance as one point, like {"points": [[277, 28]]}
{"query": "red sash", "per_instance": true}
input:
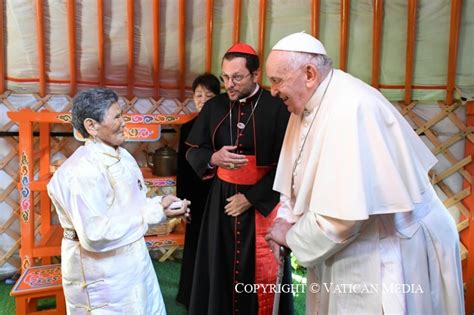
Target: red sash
{"points": [[266, 267], [249, 174]]}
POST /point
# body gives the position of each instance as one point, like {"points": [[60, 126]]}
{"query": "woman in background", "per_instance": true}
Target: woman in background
{"points": [[100, 196], [191, 187]]}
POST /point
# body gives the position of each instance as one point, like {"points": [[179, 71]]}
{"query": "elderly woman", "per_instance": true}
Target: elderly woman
{"points": [[100, 197]]}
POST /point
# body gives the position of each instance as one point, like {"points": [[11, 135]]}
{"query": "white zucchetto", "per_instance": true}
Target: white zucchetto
{"points": [[300, 42]]}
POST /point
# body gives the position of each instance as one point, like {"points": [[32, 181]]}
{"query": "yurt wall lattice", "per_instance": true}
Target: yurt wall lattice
{"points": [[63, 144], [416, 52]]}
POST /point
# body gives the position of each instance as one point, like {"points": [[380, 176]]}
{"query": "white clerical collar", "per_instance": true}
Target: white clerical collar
{"points": [[243, 100], [315, 99]]}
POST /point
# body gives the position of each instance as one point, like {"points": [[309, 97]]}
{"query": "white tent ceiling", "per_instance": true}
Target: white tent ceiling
{"points": [[281, 17]]}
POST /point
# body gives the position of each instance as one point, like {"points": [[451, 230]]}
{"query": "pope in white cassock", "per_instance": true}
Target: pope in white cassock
{"points": [[357, 208], [100, 196]]}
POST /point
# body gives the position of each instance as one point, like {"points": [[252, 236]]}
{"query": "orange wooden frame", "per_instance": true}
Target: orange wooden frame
{"points": [[182, 48], [261, 33], [156, 48], [456, 6], [315, 7], [51, 235], [100, 42], [411, 31], [131, 48], [467, 235], [40, 45], [71, 25], [209, 29], [344, 31], [376, 42], [2, 48], [237, 12]]}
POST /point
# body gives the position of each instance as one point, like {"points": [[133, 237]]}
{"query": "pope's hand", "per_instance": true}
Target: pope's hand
{"points": [[275, 249], [277, 232]]}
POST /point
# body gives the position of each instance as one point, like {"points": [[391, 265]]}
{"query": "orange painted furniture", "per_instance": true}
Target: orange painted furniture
{"points": [[167, 244], [138, 127], [38, 283]]}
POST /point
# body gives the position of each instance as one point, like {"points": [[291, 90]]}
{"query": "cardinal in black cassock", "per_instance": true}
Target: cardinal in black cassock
{"points": [[231, 250]]}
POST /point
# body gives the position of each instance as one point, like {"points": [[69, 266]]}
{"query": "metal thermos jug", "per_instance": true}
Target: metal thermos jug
{"points": [[164, 161]]}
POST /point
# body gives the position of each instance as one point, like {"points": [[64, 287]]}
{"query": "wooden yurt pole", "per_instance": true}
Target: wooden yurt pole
{"points": [[131, 48], [40, 45], [71, 26], [261, 35], [237, 8], [467, 236], [209, 21], [2, 48], [156, 48], [182, 47], [345, 12], [376, 42], [100, 44], [456, 6], [315, 6], [411, 31]]}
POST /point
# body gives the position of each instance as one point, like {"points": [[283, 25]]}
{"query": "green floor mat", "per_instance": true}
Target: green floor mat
{"points": [[168, 276]]}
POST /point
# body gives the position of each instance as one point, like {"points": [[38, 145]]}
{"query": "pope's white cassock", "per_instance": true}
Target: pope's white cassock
{"points": [[100, 193], [364, 164]]}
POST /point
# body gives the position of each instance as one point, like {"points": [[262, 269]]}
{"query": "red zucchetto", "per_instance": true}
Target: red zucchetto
{"points": [[242, 48]]}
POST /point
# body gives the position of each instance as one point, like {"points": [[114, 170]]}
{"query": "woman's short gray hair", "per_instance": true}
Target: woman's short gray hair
{"points": [[322, 62], [91, 103]]}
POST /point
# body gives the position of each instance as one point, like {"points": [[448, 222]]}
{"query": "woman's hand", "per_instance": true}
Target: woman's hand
{"points": [[171, 212], [167, 200]]}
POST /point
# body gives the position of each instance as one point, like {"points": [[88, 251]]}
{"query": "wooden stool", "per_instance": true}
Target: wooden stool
{"points": [[37, 283]]}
